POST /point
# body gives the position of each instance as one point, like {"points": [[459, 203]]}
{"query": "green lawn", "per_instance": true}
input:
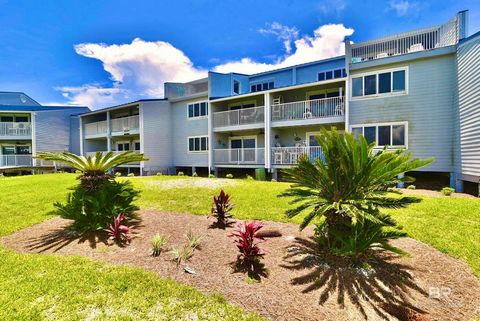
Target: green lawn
{"points": [[43, 286], [62, 288]]}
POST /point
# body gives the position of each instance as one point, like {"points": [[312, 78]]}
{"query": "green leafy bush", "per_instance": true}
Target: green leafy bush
{"points": [[181, 174], [94, 211], [447, 191], [211, 176], [346, 189], [250, 178], [411, 187], [159, 174], [118, 174], [131, 175], [194, 174], [274, 180], [229, 176]]}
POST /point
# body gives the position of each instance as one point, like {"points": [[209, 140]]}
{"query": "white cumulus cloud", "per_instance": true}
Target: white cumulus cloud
{"points": [[402, 7], [140, 69]]}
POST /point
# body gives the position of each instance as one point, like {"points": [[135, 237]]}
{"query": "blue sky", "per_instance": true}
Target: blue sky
{"points": [[102, 53]]}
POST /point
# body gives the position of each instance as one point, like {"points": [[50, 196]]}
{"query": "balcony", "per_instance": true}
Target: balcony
{"points": [[98, 128], [284, 156], [444, 35], [239, 156], [118, 126], [15, 160], [125, 125], [309, 109], [239, 117], [16, 130], [180, 90]]}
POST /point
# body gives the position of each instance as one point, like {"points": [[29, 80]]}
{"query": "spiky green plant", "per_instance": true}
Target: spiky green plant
{"points": [[94, 168], [158, 244], [346, 189]]}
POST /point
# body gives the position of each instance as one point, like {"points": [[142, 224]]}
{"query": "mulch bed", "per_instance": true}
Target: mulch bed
{"points": [[296, 283]]}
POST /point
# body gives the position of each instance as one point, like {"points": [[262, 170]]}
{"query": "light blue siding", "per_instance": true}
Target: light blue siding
{"points": [[280, 78], [468, 68], [309, 73], [183, 128], [428, 108]]}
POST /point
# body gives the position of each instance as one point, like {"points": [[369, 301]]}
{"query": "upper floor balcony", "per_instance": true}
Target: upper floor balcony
{"points": [[190, 89], [328, 109], [117, 126], [239, 117], [443, 35], [18, 130]]}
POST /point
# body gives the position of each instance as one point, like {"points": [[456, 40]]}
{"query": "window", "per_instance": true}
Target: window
{"points": [[262, 86], [384, 83], [197, 110], [198, 144], [122, 147], [6, 119], [236, 87], [390, 134], [23, 150], [357, 84], [332, 74], [137, 145], [21, 119]]}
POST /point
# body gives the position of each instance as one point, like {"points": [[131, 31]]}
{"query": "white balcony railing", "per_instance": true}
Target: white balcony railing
{"points": [[125, 124], [15, 160], [237, 117], [11, 129], [239, 156], [291, 155], [96, 128], [444, 35], [317, 108]]}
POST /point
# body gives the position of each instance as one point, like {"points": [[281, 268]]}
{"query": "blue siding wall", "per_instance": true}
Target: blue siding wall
{"points": [[220, 85], [183, 128], [309, 73], [281, 78], [429, 108]]}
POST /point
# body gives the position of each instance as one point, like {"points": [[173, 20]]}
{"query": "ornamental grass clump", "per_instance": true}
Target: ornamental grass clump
{"points": [[221, 208], [159, 241], [346, 189], [99, 198]]}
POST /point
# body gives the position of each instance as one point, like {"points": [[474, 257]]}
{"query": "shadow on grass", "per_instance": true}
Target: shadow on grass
{"points": [[61, 237], [383, 285]]}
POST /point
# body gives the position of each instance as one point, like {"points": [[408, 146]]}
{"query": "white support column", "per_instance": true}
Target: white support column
{"points": [[142, 136], [34, 137], [268, 131], [210, 138], [346, 99], [109, 136], [81, 135]]}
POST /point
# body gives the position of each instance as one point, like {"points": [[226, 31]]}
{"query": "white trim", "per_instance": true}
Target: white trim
{"points": [[405, 123], [376, 73], [197, 151], [197, 117]]}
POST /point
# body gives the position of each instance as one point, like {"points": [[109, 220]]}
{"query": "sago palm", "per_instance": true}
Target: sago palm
{"points": [[347, 187], [94, 168]]}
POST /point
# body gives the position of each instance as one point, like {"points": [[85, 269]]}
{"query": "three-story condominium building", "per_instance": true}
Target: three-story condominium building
{"points": [[26, 127], [417, 91]]}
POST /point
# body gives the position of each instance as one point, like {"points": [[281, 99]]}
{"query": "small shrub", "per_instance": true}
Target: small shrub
{"points": [[131, 175], [193, 239], [118, 231], [221, 208], [274, 180], [182, 254], [230, 176], [118, 174], [78, 172], [95, 211], [211, 176], [159, 174], [158, 244], [250, 178], [247, 242], [194, 174], [411, 187], [447, 191], [181, 174], [394, 190]]}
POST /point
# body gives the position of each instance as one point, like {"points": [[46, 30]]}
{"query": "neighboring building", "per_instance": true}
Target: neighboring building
{"points": [[26, 128], [417, 91]]}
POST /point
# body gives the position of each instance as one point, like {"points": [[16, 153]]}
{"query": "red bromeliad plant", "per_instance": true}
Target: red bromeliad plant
{"points": [[221, 208], [118, 231], [247, 242]]}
